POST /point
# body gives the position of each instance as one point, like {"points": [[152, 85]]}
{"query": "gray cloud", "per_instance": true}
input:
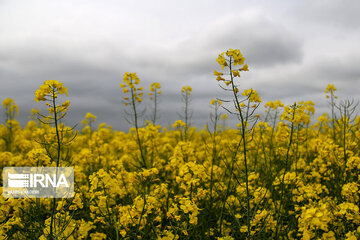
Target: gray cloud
{"points": [[330, 13], [89, 45]]}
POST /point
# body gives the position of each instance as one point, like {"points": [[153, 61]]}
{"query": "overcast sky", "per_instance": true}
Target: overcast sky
{"points": [[293, 49]]}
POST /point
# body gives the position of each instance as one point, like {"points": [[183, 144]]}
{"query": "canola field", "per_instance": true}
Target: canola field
{"points": [[279, 174]]}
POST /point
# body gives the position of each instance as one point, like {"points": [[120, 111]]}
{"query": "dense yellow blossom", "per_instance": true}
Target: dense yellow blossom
{"points": [[301, 180], [129, 85], [50, 87], [252, 95], [186, 90]]}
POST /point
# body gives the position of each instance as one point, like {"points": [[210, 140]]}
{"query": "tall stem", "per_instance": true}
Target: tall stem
{"points": [[283, 176], [57, 160], [186, 115], [137, 127], [155, 106], [213, 156], [243, 136]]}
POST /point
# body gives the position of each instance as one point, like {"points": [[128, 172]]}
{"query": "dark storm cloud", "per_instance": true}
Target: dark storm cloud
{"points": [[94, 83], [89, 50], [309, 81], [265, 44], [345, 68]]}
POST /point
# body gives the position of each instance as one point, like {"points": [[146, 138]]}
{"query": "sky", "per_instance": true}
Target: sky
{"points": [[293, 49]]}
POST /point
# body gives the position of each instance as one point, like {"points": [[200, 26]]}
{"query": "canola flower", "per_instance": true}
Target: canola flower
{"points": [[186, 115], [48, 92], [50, 88], [154, 95], [154, 90], [215, 102], [11, 112], [234, 62], [308, 189], [10, 107], [330, 89], [89, 118], [53, 141], [252, 95], [129, 85], [186, 90]]}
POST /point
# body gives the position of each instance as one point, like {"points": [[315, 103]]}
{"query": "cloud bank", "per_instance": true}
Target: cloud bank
{"points": [[88, 45]]}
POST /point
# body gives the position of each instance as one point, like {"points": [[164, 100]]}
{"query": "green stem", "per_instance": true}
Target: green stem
{"points": [[57, 160], [283, 176], [137, 128], [243, 136]]}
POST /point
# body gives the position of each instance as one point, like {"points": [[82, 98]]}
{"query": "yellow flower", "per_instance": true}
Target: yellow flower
{"points": [[244, 68], [215, 102], [330, 88], [51, 88], [7, 102], [155, 86], [66, 104], [228, 83], [252, 95], [221, 60], [219, 78], [235, 73], [224, 116], [179, 123], [329, 236], [90, 117], [98, 236], [10, 106], [186, 89], [216, 73], [130, 81], [34, 111]]}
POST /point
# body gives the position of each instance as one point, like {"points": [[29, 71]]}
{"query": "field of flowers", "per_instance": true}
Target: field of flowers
{"points": [[276, 175]]}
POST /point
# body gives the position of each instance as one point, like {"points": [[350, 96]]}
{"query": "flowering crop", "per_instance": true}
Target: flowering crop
{"points": [[278, 175]]}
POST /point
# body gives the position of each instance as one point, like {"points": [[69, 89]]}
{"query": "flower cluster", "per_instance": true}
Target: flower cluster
{"points": [[10, 107], [154, 89], [215, 102], [300, 180], [274, 105], [234, 58], [252, 95], [330, 89], [49, 92], [130, 85], [50, 88], [299, 113], [186, 90], [89, 118]]}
